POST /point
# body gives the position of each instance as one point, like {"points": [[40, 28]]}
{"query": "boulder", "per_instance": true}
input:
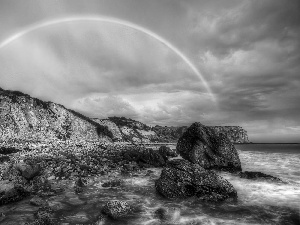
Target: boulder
{"points": [[167, 152], [258, 175], [200, 144], [181, 179], [28, 171], [116, 209], [9, 192]]}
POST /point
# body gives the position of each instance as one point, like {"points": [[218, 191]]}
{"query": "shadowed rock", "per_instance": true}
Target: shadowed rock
{"points": [[9, 192], [200, 144], [181, 179], [167, 152], [28, 171]]}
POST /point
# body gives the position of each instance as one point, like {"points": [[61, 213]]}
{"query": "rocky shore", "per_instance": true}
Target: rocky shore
{"points": [[65, 152]]}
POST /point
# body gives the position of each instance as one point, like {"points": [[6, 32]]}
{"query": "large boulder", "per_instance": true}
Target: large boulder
{"points": [[116, 209], [9, 192], [181, 178], [200, 144]]}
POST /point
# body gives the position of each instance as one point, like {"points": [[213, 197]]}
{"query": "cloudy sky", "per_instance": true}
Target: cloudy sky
{"points": [[166, 62]]}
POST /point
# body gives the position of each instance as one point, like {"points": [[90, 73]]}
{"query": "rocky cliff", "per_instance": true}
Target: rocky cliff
{"points": [[24, 118], [235, 134]]}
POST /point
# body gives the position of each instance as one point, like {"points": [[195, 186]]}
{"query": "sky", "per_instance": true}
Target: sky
{"points": [[165, 62]]}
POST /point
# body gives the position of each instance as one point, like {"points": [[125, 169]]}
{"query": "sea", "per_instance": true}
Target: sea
{"points": [[259, 201]]}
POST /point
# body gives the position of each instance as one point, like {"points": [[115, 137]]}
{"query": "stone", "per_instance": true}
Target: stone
{"points": [[28, 171], [10, 192], [200, 144], [37, 201], [181, 179], [167, 152], [258, 175], [116, 209]]}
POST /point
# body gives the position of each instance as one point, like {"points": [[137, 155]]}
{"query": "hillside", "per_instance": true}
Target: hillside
{"points": [[24, 118]]}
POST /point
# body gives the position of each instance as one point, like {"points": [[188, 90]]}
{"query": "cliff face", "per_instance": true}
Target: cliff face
{"points": [[235, 134], [25, 118]]}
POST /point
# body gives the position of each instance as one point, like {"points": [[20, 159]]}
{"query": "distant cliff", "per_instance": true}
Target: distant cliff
{"points": [[235, 134], [129, 130], [23, 117]]}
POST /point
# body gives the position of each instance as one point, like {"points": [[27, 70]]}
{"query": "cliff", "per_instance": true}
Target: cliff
{"points": [[235, 134], [129, 130], [24, 118]]}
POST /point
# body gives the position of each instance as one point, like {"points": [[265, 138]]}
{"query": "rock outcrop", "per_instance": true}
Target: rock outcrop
{"points": [[200, 144], [181, 179], [26, 118], [258, 175]]}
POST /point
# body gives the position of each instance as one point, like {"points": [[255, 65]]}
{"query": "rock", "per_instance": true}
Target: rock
{"points": [[44, 216], [182, 179], [151, 157], [200, 144], [28, 171], [258, 175], [167, 152], [162, 214], [37, 201], [116, 209], [9, 192], [113, 183]]}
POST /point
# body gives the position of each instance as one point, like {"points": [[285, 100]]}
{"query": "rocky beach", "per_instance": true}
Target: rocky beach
{"points": [[60, 167]]}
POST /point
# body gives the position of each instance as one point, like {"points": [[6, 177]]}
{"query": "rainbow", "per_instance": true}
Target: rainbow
{"points": [[43, 24]]}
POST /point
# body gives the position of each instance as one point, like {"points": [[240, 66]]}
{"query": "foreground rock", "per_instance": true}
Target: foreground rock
{"points": [[116, 209], [200, 144], [258, 175], [9, 192], [181, 179]]}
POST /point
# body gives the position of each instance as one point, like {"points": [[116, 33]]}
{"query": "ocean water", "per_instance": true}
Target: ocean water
{"points": [[259, 201]]}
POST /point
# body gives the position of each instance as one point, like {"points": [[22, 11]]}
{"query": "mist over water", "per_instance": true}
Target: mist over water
{"points": [[259, 201]]}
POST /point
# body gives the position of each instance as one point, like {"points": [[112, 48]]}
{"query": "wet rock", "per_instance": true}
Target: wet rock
{"points": [[44, 216], [113, 183], [10, 192], [162, 214], [200, 144], [37, 201], [182, 179], [28, 171], [258, 175], [167, 152], [116, 209], [8, 150]]}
